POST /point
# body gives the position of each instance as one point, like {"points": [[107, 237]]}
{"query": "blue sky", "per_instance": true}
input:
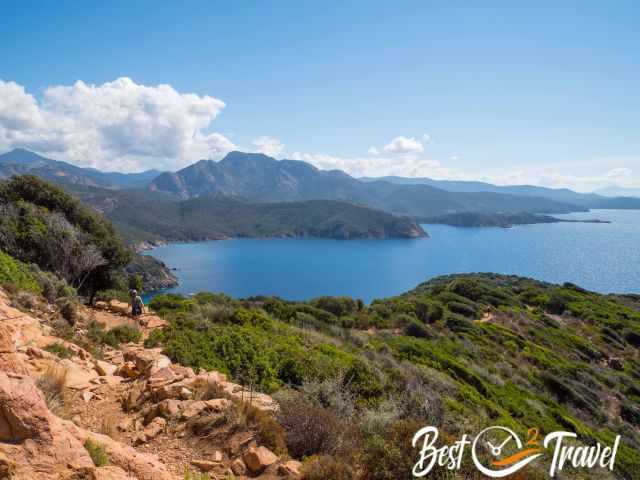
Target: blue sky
{"points": [[544, 93]]}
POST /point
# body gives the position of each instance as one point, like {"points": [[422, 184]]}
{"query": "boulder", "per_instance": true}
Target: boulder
{"points": [[147, 360], [77, 377], [128, 370], [119, 307], [105, 368], [156, 427], [257, 459], [205, 465], [169, 408]]}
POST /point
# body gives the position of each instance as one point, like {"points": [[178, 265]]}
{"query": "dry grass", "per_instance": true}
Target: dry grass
{"points": [[52, 383], [108, 426]]}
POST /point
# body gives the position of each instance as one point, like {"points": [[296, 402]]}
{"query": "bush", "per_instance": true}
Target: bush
{"points": [[68, 310], [16, 273], [52, 286], [428, 312], [630, 413], [311, 429], [458, 323], [121, 334], [338, 306], [327, 467], [462, 309], [416, 329], [25, 301], [391, 456], [556, 303], [60, 350], [97, 453]]}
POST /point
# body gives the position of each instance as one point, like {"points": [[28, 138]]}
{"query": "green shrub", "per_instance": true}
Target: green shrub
{"points": [[121, 334], [462, 309], [18, 274], [630, 413], [457, 323], [97, 453], [60, 350], [416, 329], [338, 306]]}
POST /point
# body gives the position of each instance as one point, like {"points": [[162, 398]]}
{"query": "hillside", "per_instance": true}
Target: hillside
{"points": [[88, 401], [460, 353], [21, 162], [606, 199], [353, 382], [504, 220], [152, 216]]}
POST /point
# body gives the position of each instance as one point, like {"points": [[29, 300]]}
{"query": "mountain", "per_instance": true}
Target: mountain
{"points": [[260, 178], [20, 161], [155, 216], [614, 191], [563, 195]]}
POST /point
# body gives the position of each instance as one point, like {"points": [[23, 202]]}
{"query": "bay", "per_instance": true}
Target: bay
{"points": [[599, 257]]}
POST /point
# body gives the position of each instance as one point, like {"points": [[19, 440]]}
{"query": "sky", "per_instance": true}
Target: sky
{"points": [[509, 92]]}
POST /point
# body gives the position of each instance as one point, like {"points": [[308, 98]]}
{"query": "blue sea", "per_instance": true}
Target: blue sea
{"points": [[599, 257]]}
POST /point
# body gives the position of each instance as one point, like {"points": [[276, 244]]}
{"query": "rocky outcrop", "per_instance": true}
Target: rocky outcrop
{"points": [[158, 404], [40, 445]]}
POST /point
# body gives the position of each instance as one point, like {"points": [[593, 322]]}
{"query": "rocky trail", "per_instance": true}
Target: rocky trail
{"points": [[140, 415]]}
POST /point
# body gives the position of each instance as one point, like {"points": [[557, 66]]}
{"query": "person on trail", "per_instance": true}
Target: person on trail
{"points": [[137, 306]]}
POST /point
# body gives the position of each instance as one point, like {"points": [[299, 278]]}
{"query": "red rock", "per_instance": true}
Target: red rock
{"points": [[257, 459], [105, 368]]}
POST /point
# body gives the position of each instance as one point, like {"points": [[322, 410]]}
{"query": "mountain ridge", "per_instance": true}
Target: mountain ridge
{"points": [[20, 161], [260, 178]]}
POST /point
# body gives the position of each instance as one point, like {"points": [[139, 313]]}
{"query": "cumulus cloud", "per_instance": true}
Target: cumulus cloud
{"points": [[269, 146], [404, 145], [621, 172], [119, 125], [406, 166], [373, 151]]}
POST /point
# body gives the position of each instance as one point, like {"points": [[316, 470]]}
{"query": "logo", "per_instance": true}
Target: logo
{"points": [[498, 452]]}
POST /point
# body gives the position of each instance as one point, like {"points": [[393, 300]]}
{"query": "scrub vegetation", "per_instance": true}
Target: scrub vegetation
{"points": [[356, 381]]}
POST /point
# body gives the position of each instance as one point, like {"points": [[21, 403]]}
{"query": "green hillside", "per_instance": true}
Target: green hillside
{"points": [[142, 215], [459, 352]]}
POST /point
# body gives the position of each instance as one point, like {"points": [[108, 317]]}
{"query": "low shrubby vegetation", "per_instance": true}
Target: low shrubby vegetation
{"points": [[97, 453], [41, 224], [463, 352]]}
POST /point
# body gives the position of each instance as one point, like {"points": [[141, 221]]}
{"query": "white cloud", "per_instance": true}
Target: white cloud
{"points": [[406, 166], [426, 138], [269, 146], [404, 145], [373, 151], [621, 172], [118, 125]]}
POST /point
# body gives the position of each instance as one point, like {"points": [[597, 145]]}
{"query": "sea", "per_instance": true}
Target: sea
{"points": [[603, 257]]}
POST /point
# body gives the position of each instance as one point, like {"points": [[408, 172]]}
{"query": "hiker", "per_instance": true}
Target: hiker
{"points": [[137, 306]]}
